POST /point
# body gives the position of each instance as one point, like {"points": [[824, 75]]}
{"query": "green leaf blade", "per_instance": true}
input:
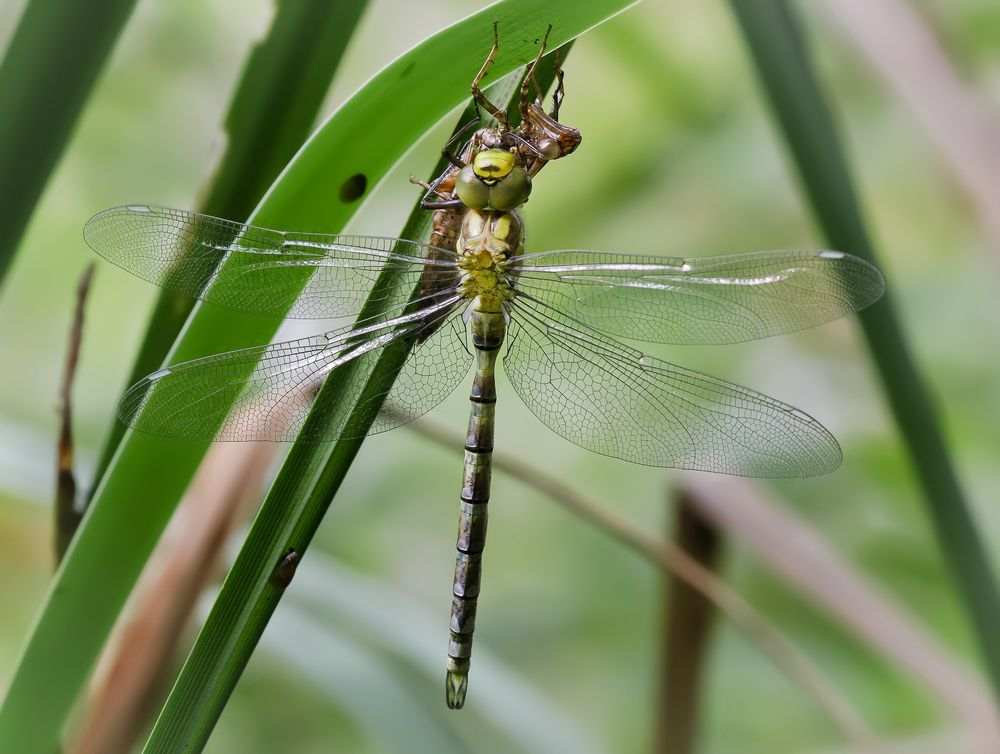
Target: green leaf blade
{"points": [[48, 71]]}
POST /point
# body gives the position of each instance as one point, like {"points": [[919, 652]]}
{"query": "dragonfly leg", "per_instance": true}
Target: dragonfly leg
{"points": [[431, 188], [452, 158], [559, 93], [444, 185], [477, 93], [444, 204], [446, 199], [446, 149], [530, 78]]}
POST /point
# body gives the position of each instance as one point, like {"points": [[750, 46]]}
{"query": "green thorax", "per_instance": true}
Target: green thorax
{"points": [[487, 243]]}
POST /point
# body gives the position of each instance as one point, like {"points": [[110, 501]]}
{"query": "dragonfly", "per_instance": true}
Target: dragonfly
{"points": [[472, 297]]}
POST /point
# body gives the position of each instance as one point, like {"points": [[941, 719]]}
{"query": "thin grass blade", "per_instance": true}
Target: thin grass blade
{"points": [[780, 53]]}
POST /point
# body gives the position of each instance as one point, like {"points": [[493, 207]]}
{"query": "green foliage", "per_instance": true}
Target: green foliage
{"points": [[47, 73], [271, 113], [782, 60], [676, 160], [148, 475]]}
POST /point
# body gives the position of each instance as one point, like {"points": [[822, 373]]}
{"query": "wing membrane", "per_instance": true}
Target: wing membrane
{"points": [[611, 399], [435, 366], [712, 300], [302, 275], [192, 400]]}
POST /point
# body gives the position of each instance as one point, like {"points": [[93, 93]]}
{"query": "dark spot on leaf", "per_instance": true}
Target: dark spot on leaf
{"points": [[353, 188], [408, 70], [284, 570]]}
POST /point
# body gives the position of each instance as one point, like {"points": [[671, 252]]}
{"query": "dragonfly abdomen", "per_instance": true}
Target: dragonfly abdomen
{"points": [[488, 330], [445, 228]]}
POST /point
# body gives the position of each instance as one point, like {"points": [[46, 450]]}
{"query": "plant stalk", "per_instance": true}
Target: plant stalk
{"points": [[781, 56]]}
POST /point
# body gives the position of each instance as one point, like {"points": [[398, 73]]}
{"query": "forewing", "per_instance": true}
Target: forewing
{"points": [[302, 275], [611, 399], [724, 299], [213, 397]]}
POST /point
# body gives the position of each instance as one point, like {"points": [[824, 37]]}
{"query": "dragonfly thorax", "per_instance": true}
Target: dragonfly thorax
{"points": [[486, 244]]}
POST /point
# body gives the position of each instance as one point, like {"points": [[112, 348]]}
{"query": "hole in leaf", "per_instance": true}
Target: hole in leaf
{"points": [[353, 188]]}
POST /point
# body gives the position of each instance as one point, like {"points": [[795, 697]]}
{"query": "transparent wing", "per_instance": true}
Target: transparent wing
{"points": [[611, 399], [303, 275], [726, 299], [264, 393], [437, 363]]}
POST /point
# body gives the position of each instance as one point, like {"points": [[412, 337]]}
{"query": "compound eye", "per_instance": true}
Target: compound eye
{"points": [[512, 191], [473, 192], [549, 148]]}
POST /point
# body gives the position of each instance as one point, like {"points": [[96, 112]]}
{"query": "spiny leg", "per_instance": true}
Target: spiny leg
{"points": [[446, 200], [452, 158], [447, 197], [446, 149], [443, 204], [559, 93], [529, 78], [477, 93]]}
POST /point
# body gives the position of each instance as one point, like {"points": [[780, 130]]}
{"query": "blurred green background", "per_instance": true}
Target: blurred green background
{"points": [[678, 158]]}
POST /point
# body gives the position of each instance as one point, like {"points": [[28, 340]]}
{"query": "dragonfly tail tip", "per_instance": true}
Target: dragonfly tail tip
{"points": [[455, 686]]}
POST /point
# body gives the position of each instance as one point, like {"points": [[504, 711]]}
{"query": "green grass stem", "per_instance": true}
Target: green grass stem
{"points": [[780, 53]]}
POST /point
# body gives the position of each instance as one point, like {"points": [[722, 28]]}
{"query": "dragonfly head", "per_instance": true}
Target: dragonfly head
{"points": [[493, 181]]}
